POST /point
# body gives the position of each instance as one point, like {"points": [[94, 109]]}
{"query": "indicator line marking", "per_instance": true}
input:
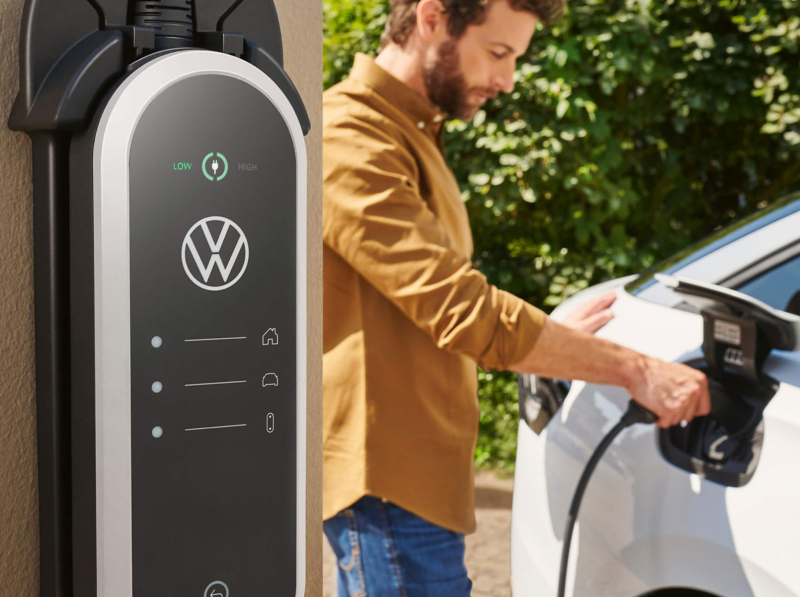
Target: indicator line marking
{"points": [[213, 383], [216, 339], [218, 427]]}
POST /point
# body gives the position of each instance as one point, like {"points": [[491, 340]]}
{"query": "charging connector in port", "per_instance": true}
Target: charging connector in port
{"points": [[725, 445], [739, 333]]}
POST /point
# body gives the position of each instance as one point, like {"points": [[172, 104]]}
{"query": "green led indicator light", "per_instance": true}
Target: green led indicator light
{"points": [[212, 170]]}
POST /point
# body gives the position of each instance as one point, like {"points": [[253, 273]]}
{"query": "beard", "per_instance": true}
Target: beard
{"points": [[446, 85]]}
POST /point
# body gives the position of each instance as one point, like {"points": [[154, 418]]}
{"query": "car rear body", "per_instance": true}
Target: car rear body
{"points": [[645, 524]]}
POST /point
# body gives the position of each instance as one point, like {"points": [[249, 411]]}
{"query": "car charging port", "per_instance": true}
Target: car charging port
{"points": [[739, 333], [725, 445]]}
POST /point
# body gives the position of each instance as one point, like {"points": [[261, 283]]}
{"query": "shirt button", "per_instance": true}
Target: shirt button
{"points": [[437, 118], [420, 125]]}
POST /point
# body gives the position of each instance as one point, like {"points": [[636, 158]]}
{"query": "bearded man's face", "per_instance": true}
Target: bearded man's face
{"points": [[464, 73], [447, 86]]}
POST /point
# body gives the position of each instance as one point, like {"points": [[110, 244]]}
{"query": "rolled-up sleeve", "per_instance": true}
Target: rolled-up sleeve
{"points": [[375, 218]]}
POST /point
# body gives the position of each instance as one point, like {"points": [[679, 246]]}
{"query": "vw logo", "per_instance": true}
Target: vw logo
{"points": [[204, 251]]}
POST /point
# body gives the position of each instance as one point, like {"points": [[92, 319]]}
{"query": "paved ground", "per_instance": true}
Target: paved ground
{"points": [[487, 550]]}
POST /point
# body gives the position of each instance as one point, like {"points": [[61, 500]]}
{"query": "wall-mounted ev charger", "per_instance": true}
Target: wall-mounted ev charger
{"points": [[170, 283]]}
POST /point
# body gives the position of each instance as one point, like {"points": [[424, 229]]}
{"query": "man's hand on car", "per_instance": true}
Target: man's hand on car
{"points": [[592, 315], [672, 391]]}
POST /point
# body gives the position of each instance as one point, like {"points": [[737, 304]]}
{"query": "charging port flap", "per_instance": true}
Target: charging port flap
{"points": [[739, 332]]}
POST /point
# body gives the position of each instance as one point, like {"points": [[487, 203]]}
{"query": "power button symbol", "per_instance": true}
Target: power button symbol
{"points": [[217, 589]]}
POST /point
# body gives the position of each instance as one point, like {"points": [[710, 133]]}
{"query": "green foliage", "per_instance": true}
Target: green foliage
{"points": [[350, 26], [636, 127], [632, 132], [497, 438]]}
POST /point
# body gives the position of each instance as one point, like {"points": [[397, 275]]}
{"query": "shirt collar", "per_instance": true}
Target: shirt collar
{"points": [[423, 115]]}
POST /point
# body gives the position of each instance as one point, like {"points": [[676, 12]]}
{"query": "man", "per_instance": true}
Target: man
{"points": [[406, 317]]}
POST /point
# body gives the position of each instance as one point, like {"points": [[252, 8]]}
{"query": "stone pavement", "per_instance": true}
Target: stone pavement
{"points": [[488, 558]]}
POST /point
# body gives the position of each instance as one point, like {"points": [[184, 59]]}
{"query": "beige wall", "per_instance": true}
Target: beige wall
{"points": [[302, 39], [18, 494], [302, 29]]}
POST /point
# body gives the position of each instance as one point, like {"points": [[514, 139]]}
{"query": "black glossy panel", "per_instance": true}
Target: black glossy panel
{"points": [[214, 497]]}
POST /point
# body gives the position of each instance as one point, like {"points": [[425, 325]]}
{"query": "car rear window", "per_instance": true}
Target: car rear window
{"points": [[777, 286], [778, 210]]}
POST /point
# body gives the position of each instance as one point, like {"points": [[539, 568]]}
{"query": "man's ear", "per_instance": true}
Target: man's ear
{"points": [[431, 21]]}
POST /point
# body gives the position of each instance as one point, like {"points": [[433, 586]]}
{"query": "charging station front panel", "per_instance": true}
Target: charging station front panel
{"points": [[213, 343]]}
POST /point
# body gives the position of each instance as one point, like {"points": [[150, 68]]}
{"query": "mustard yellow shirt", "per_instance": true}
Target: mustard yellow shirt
{"points": [[406, 316]]}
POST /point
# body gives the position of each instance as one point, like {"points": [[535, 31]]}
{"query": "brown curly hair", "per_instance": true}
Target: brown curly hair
{"points": [[461, 14]]}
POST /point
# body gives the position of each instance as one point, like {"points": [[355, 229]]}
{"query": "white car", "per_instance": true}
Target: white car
{"points": [[683, 512]]}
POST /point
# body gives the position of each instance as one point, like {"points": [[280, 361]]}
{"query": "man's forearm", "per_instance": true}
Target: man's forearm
{"points": [[564, 353]]}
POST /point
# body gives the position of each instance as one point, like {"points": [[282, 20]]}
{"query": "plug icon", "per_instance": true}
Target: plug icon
{"points": [[215, 166]]}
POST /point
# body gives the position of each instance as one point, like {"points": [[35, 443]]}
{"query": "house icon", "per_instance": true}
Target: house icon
{"points": [[270, 337], [270, 379]]}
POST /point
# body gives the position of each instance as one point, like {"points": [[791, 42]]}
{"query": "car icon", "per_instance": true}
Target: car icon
{"points": [[270, 379], [690, 511]]}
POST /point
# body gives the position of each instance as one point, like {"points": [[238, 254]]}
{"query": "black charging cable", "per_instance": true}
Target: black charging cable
{"points": [[635, 414]]}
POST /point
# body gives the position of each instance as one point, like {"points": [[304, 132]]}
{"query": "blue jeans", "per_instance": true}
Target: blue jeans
{"points": [[385, 551]]}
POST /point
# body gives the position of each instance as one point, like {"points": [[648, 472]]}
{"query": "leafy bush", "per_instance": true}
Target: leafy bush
{"points": [[635, 128], [350, 26], [497, 437]]}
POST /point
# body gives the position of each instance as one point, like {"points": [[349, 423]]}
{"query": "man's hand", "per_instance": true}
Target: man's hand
{"points": [[673, 391], [592, 315]]}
